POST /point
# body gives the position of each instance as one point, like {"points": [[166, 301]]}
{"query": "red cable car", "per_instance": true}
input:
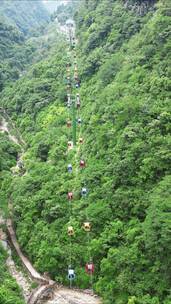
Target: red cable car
{"points": [[89, 268], [70, 195], [82, 163]]}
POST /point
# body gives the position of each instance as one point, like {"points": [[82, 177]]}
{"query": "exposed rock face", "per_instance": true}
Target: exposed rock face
{"points": [[140, 7]]}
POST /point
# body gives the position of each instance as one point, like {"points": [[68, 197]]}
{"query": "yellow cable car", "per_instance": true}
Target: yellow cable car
{"points": [[87, 226], [81, 140], [70, 231]]}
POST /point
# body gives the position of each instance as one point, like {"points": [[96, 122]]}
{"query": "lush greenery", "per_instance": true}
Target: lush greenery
{"points": [[17, 52], [124, 56], [9, 291], [25, 15], [18, 20]]}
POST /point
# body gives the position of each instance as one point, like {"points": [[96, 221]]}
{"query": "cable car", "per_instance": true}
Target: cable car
{"points": [[78, 104], [89, 268], [78, 101], [70, 168], [80, 140], [77, 85], [69, 97], [70, 231], [69, 124], [76, 76], [87, 226], [70, 144], [71, 274], [84, 191], [70, 196], [79, 121], [82, 163]]}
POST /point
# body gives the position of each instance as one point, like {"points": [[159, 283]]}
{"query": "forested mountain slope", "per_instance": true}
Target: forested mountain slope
{"points": [[18, 19], [25, 15], [18, 52], [124, 60]]}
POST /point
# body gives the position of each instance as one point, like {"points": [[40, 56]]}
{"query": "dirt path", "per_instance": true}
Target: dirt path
{"points": [[22, 280], [4, 128], [66, 296], [26, 263]]}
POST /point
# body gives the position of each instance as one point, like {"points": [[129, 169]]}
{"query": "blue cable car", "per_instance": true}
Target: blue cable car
{"points": [[70, 168], [84, 191]]}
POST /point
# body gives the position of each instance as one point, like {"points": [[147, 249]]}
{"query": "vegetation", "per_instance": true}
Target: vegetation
{"points": [[25, 15], [17, 52], [9, 291], [124, 56]]}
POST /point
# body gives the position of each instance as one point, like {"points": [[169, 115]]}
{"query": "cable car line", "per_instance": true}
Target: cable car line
{"points": [[74, 121]]}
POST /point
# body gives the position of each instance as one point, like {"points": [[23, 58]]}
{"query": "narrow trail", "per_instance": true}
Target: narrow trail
{"points": [[6, 125], [22, 280], [66, 296], [26, 263], [4, 128], [48, 292]]}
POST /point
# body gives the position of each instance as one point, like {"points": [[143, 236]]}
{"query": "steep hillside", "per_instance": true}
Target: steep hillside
{"points": [[25, 15], [124, 58], [9, 291], [17, 52], [17, 19]]}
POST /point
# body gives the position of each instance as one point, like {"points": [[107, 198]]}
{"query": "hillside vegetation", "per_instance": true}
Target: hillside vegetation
{"points": [[18, 52], [10, 293], [25, 15], [124, 62]]}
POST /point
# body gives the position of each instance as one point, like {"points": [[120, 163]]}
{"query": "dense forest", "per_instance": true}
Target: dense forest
{"points": [[25, 15], [123, 51]]}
